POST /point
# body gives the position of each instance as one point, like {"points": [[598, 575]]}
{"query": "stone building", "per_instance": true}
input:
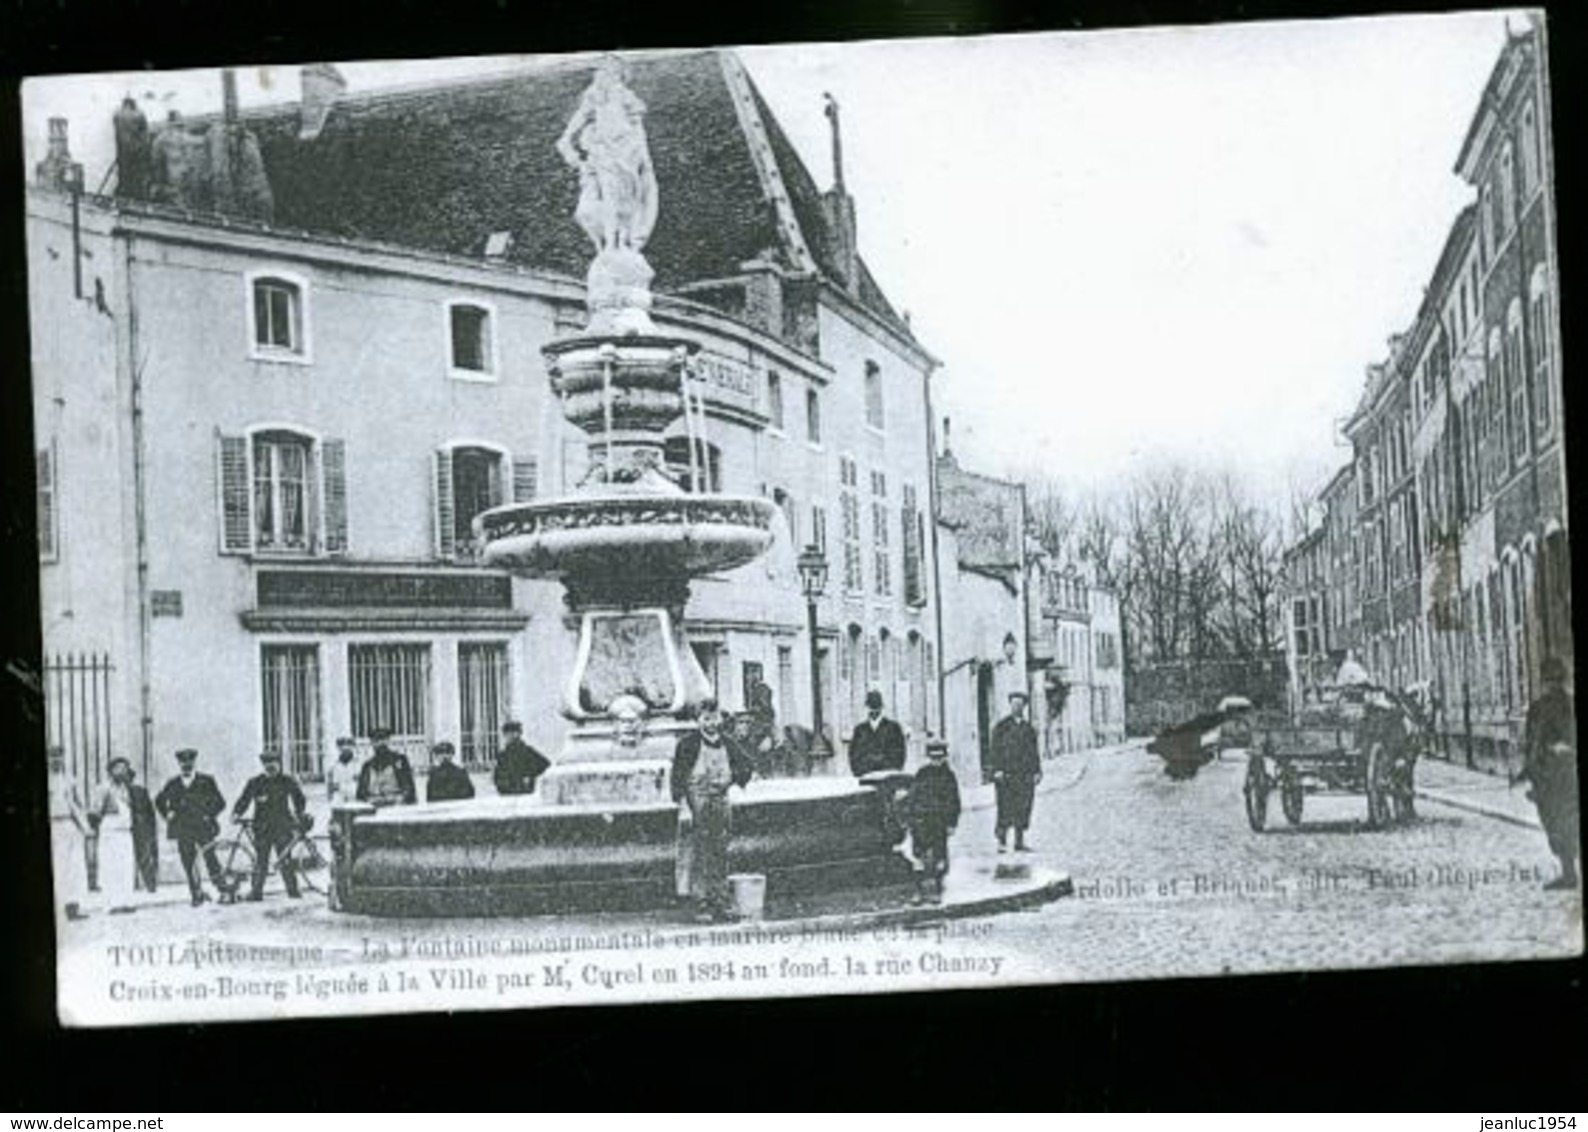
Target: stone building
{"points": [[271, 395], [1463, 580]]}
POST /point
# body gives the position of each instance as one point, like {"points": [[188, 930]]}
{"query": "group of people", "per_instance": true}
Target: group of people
{"points": [[708, 762], [386, 777]]}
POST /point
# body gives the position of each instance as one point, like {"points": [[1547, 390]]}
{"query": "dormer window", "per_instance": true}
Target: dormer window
{"points": [[471, 341], [278, 317]]}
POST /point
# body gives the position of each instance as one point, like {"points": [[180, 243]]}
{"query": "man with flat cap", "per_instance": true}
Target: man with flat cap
{"points": [[386, 779], [1016, 766], [518, 765], [877, 742], [448, 782], [190, 803], [280, 814]]}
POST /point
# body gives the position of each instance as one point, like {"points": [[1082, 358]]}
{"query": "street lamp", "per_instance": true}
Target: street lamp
{"points": [[813, 580]]}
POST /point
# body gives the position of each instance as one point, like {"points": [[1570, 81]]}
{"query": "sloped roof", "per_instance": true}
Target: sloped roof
{"points": [[986, 515], [442, 167]]}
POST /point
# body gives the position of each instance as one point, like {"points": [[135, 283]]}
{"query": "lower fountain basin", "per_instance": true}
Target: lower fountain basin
{"points": [[517, 856], [641, 535]]}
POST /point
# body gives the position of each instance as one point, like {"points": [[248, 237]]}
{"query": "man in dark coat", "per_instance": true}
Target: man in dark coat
{"points": [[386, 779], [1551, 768], [877, 742], [706, 762], [1016, 767], [518, 765], [934, 808], [190, 803], [448, 782], [280, 814], [145, 835]]}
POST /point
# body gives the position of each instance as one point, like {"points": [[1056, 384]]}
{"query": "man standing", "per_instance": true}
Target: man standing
{"points": [[877, 742], [280, 814], [1551, 767], [706, 763], [386, 779], [1016, 766], [448, 782], [341, 777], [518, 765], [190, 802], [68, 838]]}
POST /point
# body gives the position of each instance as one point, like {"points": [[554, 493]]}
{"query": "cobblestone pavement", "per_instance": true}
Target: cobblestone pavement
{"points": [[1171, 880]]}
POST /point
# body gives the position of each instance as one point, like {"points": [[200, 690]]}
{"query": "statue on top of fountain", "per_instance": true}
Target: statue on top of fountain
{"points": [[605, 141]]}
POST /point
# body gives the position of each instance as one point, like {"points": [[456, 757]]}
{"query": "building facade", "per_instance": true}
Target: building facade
{"points": [[1463, 579], [267, 419]]}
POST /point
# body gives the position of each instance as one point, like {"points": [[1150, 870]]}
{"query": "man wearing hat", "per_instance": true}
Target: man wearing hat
{"points": [[1550, 746], [934, 809], [1016, 767], [280, 812], [518, 765], [386, 779], [341, 777], [190, 802], [448, 782], [877, 742]]}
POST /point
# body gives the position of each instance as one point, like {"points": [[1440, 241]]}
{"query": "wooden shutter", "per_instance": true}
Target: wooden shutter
{"points": [[445, 527], [48, 544], [526, 475], [333, 472], [236, 510]]}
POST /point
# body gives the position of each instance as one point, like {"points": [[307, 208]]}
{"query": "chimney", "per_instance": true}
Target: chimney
{"points": [[229, 113], [132, 151], [58, 170], [840, 206], [323, 84]]}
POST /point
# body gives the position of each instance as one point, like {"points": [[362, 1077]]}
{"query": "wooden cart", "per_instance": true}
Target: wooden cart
{"points": [[1375, 756]]}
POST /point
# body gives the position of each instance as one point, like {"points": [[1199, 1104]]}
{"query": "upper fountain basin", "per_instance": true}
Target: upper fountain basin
{"points": [[638, 535]]}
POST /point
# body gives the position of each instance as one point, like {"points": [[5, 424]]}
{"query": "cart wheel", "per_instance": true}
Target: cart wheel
{"points": [[1378, 786], [1290, 795], [1256, 791]]}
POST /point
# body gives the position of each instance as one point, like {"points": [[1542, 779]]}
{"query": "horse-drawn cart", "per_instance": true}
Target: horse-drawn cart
{"points": [[1371, 751]]}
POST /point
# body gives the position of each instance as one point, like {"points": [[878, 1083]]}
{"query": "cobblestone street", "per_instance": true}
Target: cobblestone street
{"points": [[1170, 880]]}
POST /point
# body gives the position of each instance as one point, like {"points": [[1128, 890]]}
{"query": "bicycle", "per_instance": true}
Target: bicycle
{"points": [[239, 852]]}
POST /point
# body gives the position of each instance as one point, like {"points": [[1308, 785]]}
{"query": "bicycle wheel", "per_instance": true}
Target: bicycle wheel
{"points": [[313, 870], [237, 864]]}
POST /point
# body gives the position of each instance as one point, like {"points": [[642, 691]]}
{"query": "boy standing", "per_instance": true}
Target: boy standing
{"points": [[934, 812]]}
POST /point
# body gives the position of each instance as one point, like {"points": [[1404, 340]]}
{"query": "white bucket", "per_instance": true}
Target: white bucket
{"points": [[749, 895]]}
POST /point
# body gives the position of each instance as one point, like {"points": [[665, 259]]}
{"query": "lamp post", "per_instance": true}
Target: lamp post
{"points": [[813, 580]]}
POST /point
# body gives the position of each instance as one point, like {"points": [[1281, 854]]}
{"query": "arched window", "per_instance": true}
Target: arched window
{"points": [[471, 477], [1494, 410], [1530, 151], [1507, 189], [1516, 381], [1541, 327], [282, 491]]}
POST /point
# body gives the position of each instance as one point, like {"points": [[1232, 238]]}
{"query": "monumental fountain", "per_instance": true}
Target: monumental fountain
{"points": [[601, 831]]}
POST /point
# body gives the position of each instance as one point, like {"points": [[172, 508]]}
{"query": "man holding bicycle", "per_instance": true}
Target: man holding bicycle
{"points": [[280, 814]]}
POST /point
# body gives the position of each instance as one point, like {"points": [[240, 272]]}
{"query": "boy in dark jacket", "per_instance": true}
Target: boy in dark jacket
{"points": [[934, 812]]}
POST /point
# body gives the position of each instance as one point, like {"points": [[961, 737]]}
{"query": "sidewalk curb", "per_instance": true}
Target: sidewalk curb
{"points": [[1456, 802], [1044, 887]]}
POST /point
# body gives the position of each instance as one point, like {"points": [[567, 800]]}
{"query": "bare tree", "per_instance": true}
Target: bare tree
{"points": [[1051, 514]]}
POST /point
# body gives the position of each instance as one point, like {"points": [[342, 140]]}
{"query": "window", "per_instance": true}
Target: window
{"points": [[704, 470], [282, 492], [483, 685], [752, 675], [1542, 342], [290, 706], [278, 317], [819, 527], [1530, 151], [389, 686], [49, 506], [791, 515], [785, 682], [774, 399], [913, 524], [470, 340], [881, 554], [471, 479], [873, 662], [874, 415], [813, 416], [1516, 382], [849, 504], [1488, 210]]}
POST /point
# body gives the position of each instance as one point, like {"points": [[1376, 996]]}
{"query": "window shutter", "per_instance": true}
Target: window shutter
{"points": [[333, 470], [525, 478], [235, 505], [47, 509], [445, 526]]}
